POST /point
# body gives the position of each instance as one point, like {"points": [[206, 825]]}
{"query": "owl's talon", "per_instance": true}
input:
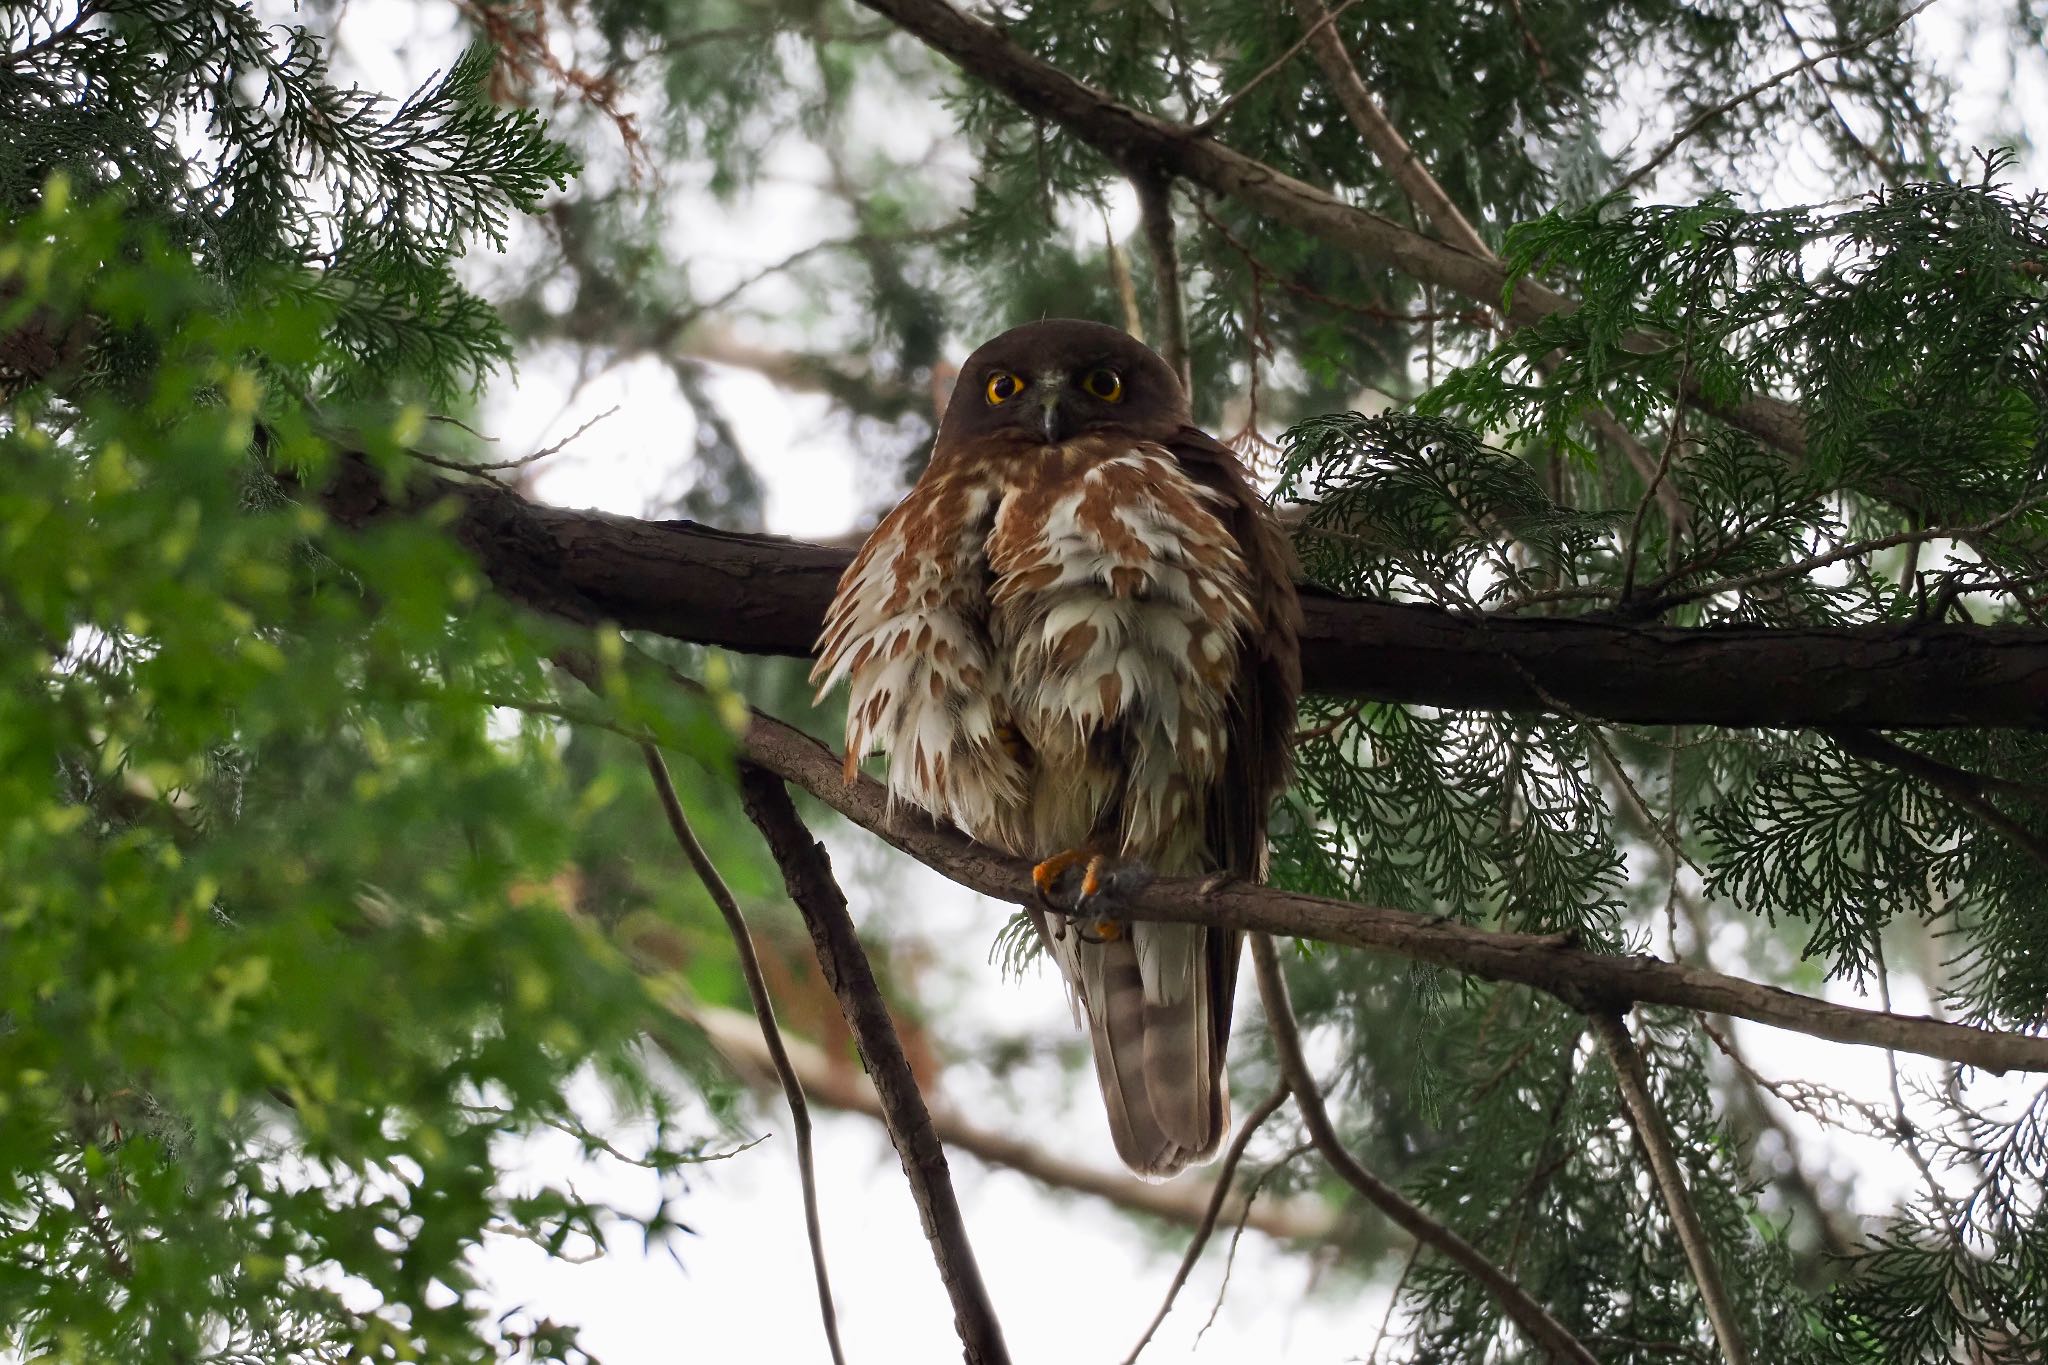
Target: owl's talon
{"points": [[1217, 881], [1054, 880]]}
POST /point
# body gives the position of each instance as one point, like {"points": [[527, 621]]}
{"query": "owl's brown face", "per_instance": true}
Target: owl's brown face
{"points": [[1048, 382]]}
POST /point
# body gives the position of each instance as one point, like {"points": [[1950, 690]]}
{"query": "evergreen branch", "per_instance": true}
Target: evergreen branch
{"points": [[1130, 137], [1534, 1320], [771, 1034], [1706, 116], [1265, 73], [1965, 788], [1544, 961], [1633, 1082], [1226, 1170], [808, 876]]}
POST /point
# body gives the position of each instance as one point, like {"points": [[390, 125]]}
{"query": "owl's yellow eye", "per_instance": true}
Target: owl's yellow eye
{"points": [[1103, 383], [1003, 386]]}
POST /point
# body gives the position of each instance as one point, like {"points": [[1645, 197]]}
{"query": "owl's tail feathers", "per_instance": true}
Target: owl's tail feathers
{"points": [[1150, 1009]]}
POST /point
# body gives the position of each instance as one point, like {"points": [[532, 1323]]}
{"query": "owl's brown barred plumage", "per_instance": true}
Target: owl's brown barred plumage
{"points": [[1076, 639]]}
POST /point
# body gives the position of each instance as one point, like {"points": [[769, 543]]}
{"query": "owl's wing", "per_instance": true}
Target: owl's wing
{"points": [[908, 631], [1258, 758]]}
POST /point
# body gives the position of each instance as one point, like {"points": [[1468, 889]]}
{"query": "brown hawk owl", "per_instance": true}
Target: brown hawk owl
{"points": [[1076, 639]]}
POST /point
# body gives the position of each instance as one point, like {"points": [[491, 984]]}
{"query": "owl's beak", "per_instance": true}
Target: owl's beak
{"points": [[1051, 413]]}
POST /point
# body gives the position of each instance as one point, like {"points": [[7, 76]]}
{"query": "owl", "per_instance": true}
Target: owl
{"points": [[1076, 639]]}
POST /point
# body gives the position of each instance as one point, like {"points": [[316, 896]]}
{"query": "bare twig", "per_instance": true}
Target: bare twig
{"points": [[1706, 116], [828, 1082], [1244, 1213], [808, 875], [1534, 1320], [1633, 1083], [771, 1033], [1264, 1110]]}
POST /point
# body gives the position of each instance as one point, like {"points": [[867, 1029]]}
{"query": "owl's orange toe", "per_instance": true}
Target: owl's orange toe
{"points": [[1054, 878]]}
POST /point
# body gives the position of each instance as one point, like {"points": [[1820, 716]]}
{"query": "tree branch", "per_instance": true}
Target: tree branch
{"points": [[1155, 204], [771, 1035], [1582, 979], [1130, 137], [843, 1087], [808, 874], [1535, 1321], [767, 595], [1633, 1081], [1225, 1171], [1706, 116], [1389, 148]]}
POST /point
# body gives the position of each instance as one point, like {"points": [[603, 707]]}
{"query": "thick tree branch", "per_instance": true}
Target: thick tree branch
{"points": [[1632, 1080], [1532, 1317], [767, 595], [808, 875], [1583, 979], [846, 1088]]}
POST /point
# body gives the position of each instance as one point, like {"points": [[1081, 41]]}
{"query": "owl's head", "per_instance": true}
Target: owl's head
{"points": [[1048, 382]]}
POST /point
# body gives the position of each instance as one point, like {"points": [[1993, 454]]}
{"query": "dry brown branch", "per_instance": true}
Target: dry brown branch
{"points": [[1534, 1320], [771, 1034], [1583, 979], [1155, 204], [808, 874], [1225, 1172], [1633, 1082]]}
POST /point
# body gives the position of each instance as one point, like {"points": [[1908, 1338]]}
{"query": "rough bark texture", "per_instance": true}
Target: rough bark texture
{"points": [[766, 595]]}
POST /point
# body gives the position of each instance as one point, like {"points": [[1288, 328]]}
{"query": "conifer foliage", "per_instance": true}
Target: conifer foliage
{"points": [[320, 803]]}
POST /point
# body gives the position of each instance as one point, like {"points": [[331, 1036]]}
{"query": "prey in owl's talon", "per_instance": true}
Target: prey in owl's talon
{"points": [[1106, 887]]}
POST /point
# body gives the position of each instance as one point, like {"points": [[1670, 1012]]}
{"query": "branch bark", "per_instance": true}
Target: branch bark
{"points": [[808, 875], [1632, 1080], [767, 595], [1585, 980], [771, 1034], [1532, 1317]]}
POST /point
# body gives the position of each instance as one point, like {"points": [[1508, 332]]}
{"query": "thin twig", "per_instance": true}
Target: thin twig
{"points": [[771, 1033], [1216, 115], [808, 875], [1264, 1110], [1251, 1196], [1632, 1081], [1706, 116], [1534, 1320]]}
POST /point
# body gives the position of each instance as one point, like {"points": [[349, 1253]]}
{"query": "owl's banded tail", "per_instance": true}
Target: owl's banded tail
{"points": [[1158, 1017]]}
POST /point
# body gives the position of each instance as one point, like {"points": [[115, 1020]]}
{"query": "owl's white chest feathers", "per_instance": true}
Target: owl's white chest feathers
{"points": [[1046, 651]]}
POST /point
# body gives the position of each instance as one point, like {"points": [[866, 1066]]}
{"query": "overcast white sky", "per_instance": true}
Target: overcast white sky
{"points": [[1069, 1277]]}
